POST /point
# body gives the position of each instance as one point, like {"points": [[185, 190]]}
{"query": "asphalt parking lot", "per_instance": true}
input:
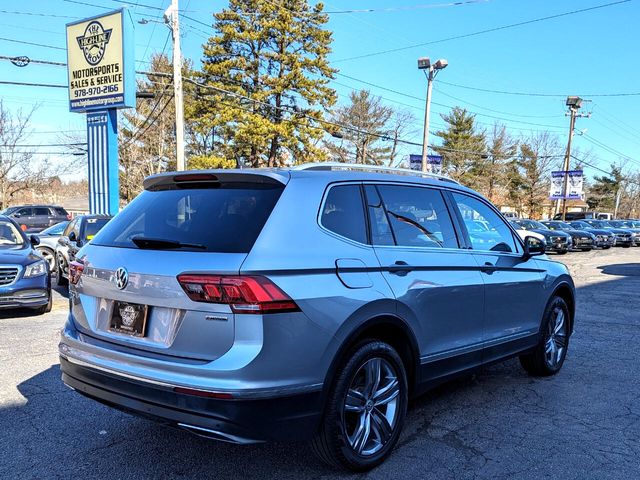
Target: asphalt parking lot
{"points": [[583, 423]]}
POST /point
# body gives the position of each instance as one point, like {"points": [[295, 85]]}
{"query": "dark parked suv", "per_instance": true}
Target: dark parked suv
{"points": [[306, 303], [33, 218]]}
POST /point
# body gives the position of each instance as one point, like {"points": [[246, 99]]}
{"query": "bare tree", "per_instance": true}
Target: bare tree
{"points": [[20, 168]]}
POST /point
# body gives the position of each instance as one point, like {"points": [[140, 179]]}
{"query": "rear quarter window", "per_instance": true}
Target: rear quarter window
{"points": [[343, 212], [225, 218]]}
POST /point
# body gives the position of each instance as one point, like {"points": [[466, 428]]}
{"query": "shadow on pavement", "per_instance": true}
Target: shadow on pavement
{"points": [[622, 269]]}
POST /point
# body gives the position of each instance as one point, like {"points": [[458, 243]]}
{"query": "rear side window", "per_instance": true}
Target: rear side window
{"points": [[343, 213], [418, 217], [42, 212], [225, 218]]}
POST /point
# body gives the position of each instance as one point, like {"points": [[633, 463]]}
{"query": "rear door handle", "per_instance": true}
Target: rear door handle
{"points": [[400, 268]]}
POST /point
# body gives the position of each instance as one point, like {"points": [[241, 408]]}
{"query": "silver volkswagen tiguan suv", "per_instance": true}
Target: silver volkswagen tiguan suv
{"points": [[305, 304]]}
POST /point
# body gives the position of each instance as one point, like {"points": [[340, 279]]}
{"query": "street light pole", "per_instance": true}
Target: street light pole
{"points": [[430, 71], [427, 115], [173, 19]]}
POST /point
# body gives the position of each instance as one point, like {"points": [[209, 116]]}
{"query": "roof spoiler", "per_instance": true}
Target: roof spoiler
{"points": [[170, 180]]}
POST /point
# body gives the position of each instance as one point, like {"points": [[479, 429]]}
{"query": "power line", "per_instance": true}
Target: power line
{"points": [[28, 84], [447, 106], [32, 43], [407, 8], [536, 94], [481, 32], [43, 145], [37, 14]]}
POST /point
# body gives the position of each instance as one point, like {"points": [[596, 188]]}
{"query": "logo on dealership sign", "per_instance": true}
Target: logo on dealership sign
{"points": [[94, 42]]}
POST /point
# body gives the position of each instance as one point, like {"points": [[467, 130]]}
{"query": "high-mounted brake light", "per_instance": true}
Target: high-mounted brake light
{"points": [[76, 268], [244, 294], [195, 177]]}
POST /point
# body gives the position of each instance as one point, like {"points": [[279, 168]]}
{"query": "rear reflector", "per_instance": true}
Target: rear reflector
{"points": [[244, 294], [75, 271], [203, 393]]}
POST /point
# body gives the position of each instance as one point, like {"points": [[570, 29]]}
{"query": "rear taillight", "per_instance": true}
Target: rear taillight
{"points": [[244, 294], [68, 216], [76, 268]]}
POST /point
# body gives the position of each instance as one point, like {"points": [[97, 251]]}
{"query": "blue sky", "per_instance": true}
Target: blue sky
{"points": [[590, 53]]}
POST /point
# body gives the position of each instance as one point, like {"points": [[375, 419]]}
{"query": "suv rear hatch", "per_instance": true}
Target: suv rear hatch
{"points": [[128, 294]]}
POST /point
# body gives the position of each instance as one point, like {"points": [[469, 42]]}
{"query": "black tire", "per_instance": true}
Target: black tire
{"points": [[331, 444], [45, 308], [562, 252], [61, 281], [537, 363]]}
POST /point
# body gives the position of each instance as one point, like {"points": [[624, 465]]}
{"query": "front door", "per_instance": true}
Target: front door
{"points": [[513, 284], [437, 285]]}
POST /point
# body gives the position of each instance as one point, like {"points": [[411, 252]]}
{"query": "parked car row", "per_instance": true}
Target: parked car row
{"points": [[27, 262], [582, 235]]}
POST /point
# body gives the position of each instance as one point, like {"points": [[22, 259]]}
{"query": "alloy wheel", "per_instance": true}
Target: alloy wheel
{"points": [[556, 339], [49, 257], [371, 405]]}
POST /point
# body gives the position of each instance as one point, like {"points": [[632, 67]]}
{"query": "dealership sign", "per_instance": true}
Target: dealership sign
{"points": [[575, 188], [101, 63], [415, 161]]}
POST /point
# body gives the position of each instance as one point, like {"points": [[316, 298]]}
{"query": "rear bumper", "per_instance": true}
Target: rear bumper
{"points": [[282, 418]]}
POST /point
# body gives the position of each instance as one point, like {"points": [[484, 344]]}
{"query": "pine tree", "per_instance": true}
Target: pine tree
{"points": [[500, 149], [273, 57], [463, 147], [367, 125]]}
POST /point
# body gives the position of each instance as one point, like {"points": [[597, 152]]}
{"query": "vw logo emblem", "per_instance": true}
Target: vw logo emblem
{"points": [[122, 278]]}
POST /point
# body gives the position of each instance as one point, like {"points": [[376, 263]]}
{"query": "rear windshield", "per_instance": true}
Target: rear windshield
{"points": [[226, 218], [93, 226], [60, 211]]}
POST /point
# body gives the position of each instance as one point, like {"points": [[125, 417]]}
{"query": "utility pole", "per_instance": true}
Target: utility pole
{"points": [[173, 20], [574, 104], [430, 71]]}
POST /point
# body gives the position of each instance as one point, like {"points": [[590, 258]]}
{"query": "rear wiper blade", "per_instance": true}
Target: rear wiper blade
{"points": [[164, 244]]}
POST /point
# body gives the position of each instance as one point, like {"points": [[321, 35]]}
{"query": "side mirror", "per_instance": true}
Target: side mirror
{"points": [[72, 237], [16, 215], [533, 246], [34, 240]]}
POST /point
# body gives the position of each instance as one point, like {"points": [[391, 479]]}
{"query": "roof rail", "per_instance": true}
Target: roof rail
{"points": [[370, 168]]}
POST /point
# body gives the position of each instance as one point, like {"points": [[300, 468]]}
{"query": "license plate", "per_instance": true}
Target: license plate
{"points": [[129, 318]]}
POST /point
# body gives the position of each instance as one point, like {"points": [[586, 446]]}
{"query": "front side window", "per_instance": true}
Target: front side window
{"points": [[497, 237], [24, 212], [343, 213], [418, 216], [10, 236]]}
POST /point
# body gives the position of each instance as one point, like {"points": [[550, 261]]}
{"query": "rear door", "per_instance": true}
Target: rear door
{"points": [[437, 284], [213, 227], [513, 303], [41, 217]]}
